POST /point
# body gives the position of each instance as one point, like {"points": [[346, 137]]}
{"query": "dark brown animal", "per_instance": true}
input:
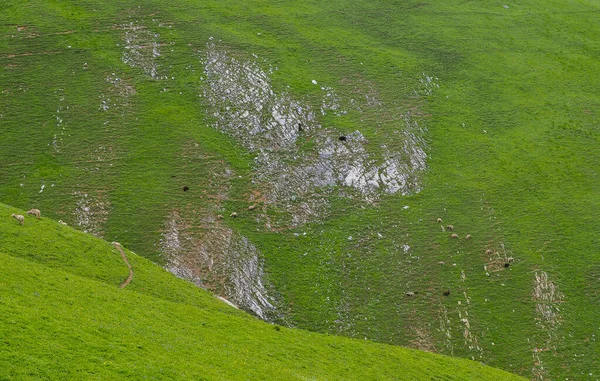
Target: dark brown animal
{"points": [[447, 292]]}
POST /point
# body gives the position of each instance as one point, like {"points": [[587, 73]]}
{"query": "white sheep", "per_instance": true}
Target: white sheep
{"points": [[410, 293], [454, 235], [35, 212], [468, 236], [233, 215], [19, 218], [439, 220], [251, 207], [62, 223], [450, 227]]}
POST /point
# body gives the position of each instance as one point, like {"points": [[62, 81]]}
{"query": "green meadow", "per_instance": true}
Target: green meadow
{"points": [[109, 109], [63, 316]]}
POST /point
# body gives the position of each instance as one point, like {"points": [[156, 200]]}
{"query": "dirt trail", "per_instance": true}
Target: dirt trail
{"points": [[130, 277]]}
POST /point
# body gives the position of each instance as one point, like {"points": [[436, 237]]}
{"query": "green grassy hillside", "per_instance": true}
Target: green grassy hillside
{"points": [[351, 127], [63, 316]]}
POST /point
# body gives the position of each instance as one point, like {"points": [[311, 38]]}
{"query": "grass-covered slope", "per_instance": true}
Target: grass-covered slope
{"points": [[108, 109], [63, 316]]}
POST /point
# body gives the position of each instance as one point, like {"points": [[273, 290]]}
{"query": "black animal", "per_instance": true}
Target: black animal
{"points": [[447, 292], [186, 188], [342, 138]]}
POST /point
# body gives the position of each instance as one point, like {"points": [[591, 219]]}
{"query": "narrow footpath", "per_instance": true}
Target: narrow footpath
{"points": [[130, 277]]}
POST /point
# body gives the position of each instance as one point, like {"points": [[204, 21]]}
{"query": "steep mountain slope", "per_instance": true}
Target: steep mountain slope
{"points": [[63, 316], [351, 127]]}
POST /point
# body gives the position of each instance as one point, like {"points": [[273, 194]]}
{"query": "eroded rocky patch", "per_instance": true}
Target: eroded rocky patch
{"points": [[273, 125], [218, 259]]}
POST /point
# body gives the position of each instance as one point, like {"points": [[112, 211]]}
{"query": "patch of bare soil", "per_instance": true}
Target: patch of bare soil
{"points": [[219, 259], [200, 247], [548, 321], [91, 212], [141, 48]]}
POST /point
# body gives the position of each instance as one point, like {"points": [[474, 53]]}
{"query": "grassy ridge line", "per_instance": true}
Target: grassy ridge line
{"points": [[61, 247], [57, 325]]}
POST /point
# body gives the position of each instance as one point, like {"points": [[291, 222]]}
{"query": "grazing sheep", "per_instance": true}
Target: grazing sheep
{"points": [[233, 215], [410, 293], [454, 235], [19, 218], [468, 236], [450, 227], [62, 223], [115, 243], [447, 292], [441, 263], [510, 259], [186, 188], [219, 216], [35, 212], [439, 220], [488, 252], [251, 207]]}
